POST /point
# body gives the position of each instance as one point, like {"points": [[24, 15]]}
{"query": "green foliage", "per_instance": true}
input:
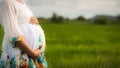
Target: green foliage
{"points": [[82, 46], [118, 18], [102, 20], [98, 19], [57, 19], [1, 37], [54, 17], [81, 18], [60, 18]]}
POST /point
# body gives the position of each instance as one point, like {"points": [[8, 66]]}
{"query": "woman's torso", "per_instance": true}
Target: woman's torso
{"points": [[33, 34]]}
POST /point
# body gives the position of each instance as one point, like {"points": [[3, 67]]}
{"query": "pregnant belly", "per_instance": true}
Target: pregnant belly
{"points": [[33, 34]]}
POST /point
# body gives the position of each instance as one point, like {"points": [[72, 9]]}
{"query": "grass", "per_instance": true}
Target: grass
{"points": [[81, 45]]}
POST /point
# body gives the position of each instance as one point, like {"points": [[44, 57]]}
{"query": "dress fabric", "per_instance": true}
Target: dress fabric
{"points": [[15, 18]]}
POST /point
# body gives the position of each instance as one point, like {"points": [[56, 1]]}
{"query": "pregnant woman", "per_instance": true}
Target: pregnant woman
{"points": [[24, 41]]}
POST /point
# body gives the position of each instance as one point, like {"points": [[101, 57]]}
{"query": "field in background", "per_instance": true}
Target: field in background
{"points": [[81, 46]]}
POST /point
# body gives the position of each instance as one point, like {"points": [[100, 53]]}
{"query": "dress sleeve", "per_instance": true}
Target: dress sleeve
{"points": [[8, 17]]}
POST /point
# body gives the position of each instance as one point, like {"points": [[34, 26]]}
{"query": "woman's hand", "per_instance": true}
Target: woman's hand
{"points": [[33, 20], [24, 46], [37, 53]]}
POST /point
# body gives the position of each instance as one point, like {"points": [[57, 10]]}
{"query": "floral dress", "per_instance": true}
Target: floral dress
{"points": [[15, 20]]}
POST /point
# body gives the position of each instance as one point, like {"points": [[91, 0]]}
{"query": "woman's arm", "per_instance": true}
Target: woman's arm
{"points": [[24, 46], [11, 28]]}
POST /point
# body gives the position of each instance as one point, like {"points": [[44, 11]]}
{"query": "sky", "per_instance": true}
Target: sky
{"points": [[74, 8]]}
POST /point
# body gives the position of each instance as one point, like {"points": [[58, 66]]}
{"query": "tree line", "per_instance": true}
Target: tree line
{"points": [[99, 19]]}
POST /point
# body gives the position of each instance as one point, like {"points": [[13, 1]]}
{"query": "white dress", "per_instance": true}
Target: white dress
{"points": [[14, 18]]}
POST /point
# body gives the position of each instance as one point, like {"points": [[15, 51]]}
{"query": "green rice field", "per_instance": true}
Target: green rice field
{"points": [[81, 45]]}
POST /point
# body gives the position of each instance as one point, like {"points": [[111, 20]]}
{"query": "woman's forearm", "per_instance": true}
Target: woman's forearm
{"points": [[24, 46]]}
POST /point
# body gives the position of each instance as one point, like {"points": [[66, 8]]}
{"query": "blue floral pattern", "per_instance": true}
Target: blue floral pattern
{"points": [[24, 63]]}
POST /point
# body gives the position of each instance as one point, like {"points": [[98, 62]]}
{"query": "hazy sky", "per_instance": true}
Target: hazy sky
{"points": [[74, 8]]}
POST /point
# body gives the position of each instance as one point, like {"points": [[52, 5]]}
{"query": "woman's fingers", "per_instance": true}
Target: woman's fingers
{"points": [[33, 20], [37, 53]]}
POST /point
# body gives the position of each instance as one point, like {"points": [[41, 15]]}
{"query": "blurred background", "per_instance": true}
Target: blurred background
{"points": [[79, 33]]}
